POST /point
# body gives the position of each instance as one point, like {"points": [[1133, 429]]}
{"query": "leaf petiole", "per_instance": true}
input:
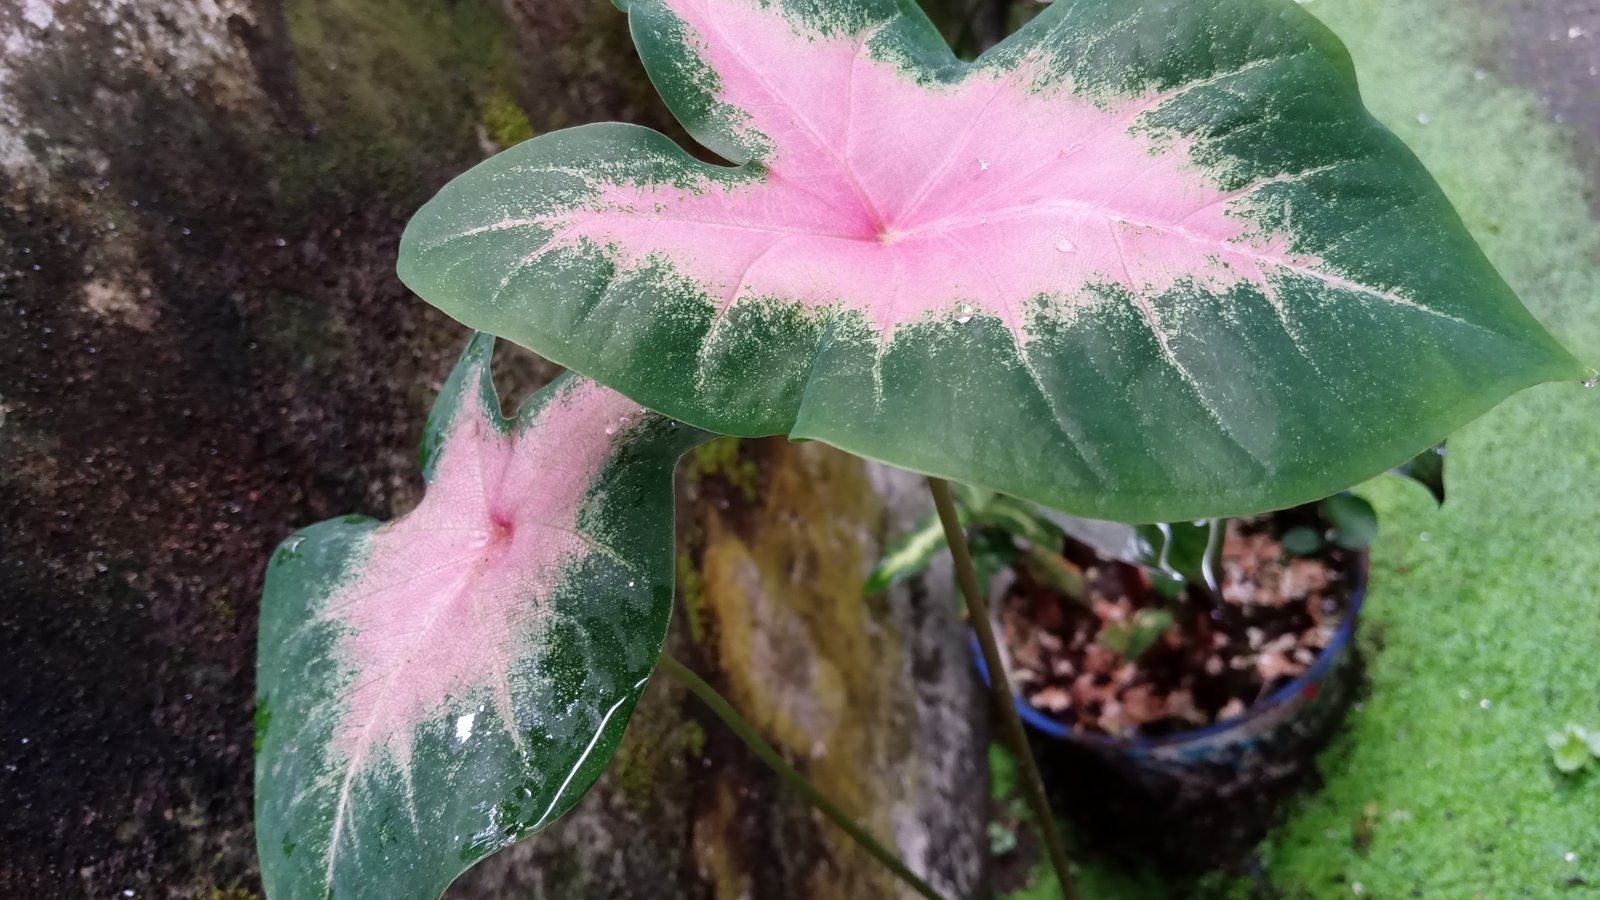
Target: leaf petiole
{"points": [[1000, 686]]}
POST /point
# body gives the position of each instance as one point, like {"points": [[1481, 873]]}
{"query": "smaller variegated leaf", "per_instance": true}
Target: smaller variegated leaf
{"points": [[909, 554], [435, 688], [1572, 747], [913, 551], [1020, 518]]}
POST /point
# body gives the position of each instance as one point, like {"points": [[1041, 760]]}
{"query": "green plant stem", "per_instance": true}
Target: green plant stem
{"points": [[1000, 685], [792, 776]]}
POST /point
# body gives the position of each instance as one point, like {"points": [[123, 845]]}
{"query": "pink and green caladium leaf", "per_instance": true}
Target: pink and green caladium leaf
{"points": [[435, 688], [1141, 261]]}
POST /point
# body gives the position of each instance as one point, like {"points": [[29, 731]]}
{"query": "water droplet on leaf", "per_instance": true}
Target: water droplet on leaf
{"points": [[1065, 246]]}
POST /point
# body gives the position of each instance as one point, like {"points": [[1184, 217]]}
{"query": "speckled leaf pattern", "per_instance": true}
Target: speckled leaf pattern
{"points": [[1141, 261], [435, 688]]}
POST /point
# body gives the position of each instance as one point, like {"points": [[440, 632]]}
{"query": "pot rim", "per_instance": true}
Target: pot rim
{"points": [[1343, 636]]}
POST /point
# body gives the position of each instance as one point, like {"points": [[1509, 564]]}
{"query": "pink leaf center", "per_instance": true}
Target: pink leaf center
{"points": [[452, 598], [906, 200]]}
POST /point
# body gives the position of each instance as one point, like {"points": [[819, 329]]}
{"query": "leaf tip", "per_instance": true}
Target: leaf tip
{"points": [[471, 369]]}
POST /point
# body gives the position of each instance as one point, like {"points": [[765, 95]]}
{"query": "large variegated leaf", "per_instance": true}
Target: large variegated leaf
{"points": [[1141, 261], [434, 688]]}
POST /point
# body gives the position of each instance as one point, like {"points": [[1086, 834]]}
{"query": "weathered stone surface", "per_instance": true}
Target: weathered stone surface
{"points": [[205, 347]]}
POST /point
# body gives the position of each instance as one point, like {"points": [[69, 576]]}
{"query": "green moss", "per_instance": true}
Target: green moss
{"points": [[791, 564], [723, 458], [1002, 774], [457, 60], [503, 119], [633, 774], [693, 739], [636, 769], [692, 589]]}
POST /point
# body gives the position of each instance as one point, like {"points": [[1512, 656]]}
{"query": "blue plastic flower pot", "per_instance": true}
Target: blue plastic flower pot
{"points": [[1289, 724]]}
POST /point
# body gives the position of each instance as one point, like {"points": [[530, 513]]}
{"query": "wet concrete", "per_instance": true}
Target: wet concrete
{"points": [[1552, 47]]}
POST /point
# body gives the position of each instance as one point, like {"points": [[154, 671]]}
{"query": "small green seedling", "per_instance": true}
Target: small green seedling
{"points": [[1133, 637], [1004, 531], [1573, 747]]}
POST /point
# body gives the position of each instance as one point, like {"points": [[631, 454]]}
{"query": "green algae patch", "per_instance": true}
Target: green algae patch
{"points": [[645, 758], [504, 120], [458, 60], [692, 590], [799, 654], [723, 458]]}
